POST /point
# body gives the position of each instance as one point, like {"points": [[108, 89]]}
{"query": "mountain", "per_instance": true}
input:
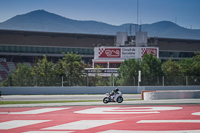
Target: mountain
{"points": [[41, 20]]}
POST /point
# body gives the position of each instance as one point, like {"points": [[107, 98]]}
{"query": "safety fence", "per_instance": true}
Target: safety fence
{"points": [[104, 81]]}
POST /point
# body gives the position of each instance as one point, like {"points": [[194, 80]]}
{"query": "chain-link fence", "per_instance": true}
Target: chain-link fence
{"points": [[170, 81], [105, 81]]}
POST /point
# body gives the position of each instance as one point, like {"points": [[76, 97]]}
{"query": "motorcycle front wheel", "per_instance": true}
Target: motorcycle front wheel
{"points": [[120, 99], [106, 100]]}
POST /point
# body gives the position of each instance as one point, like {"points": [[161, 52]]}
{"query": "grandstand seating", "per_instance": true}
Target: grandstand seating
{"points": [[11, 66], [4, 70], [8, 67]]}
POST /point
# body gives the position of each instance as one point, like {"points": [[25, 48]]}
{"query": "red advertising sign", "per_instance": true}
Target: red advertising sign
{"points": [[149, 51], [109, 52]]}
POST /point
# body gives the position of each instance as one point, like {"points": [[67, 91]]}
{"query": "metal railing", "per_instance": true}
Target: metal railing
{"points": [[105, 81]]}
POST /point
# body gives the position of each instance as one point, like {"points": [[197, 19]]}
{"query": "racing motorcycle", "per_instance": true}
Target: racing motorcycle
{"points": [[117, 97]]}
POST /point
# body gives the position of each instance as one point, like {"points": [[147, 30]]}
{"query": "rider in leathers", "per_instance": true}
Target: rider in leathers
{"points": [[113, 92]]}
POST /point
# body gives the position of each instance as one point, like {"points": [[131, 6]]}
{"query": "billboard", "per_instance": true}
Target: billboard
{"points": [[124, 52], [153, 51], [109, 52]]}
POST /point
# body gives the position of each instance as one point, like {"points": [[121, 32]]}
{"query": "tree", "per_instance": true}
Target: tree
{"points": [[195, 66], [71, 67], [151, 70], [44, 72], [20, 77], [185, 65], [191, 69], [127, 72], [151, 66], [173, 73], [171, 68]]}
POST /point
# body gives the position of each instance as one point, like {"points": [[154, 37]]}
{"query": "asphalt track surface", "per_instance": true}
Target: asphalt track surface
{"points": [[129, 99], [118, 118], [155, 116], [61, 97]]}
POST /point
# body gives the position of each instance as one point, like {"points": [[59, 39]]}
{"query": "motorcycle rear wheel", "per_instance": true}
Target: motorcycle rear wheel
{"points": [[106, 100]]}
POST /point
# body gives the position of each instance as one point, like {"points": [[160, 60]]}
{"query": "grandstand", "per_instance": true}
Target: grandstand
{"points": [[27, 46]]}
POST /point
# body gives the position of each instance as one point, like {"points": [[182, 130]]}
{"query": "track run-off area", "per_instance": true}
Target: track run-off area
{"points": [[182, 118]]}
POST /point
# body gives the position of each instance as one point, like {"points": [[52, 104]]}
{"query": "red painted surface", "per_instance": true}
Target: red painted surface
{"points": [[153, 51], [129, 121], [109, 52]]}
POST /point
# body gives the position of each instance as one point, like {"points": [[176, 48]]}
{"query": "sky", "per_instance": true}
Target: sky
{"points": [[116, 12]]}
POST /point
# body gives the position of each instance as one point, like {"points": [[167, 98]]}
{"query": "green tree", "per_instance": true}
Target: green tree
{"points": [[71, 68], [151, 66], [102, 81], [151, 70], [191, 69], [171, 68], [186, 66], [96, 80], [44, 72], [128, 72], [173, 73], [20, 77], [195, 66]]}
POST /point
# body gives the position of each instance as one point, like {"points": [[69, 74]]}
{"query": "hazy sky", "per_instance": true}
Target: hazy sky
{"points": [[185, 13]]}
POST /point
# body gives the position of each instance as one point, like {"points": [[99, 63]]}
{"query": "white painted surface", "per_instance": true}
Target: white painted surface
{"points": [[126, 110], [196, 113], [19, 123], [82, 125]]}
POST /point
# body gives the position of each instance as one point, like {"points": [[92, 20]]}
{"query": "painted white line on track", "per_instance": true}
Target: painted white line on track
{"points": [[169, 121], [111, 110], [35, 111], [126, 110], [130, 131], [82, 124], [19, 123], [196, 113]]}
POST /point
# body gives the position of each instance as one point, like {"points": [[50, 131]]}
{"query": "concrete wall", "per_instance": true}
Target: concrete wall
{"points": [[149, 88], [172, 94], [87, 90], [63, 90]]}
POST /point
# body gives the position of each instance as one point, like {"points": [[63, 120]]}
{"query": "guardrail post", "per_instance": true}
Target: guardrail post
{"points": [[62, 81], [163, 81]]}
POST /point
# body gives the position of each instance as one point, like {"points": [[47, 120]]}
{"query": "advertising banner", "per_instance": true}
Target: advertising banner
{"points": [[124, 52], [129, 52], [109, 52], [153, 51]]}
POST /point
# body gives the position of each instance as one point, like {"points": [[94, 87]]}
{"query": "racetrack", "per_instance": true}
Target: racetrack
{"points": [[62, 97], [102, 119], [156, 116]]}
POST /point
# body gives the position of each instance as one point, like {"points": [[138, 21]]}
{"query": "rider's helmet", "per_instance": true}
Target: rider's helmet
{"points": [[116, 90]]}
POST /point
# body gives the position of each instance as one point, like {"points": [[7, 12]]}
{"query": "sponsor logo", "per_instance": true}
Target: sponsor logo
{"points": [[109, 53], [148, 51]]}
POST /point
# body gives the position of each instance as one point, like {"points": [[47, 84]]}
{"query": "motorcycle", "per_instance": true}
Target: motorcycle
{"points": [[117, 97]]}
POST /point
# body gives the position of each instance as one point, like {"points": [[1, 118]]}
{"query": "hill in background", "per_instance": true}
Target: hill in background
{"points": [[44, 21]]}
